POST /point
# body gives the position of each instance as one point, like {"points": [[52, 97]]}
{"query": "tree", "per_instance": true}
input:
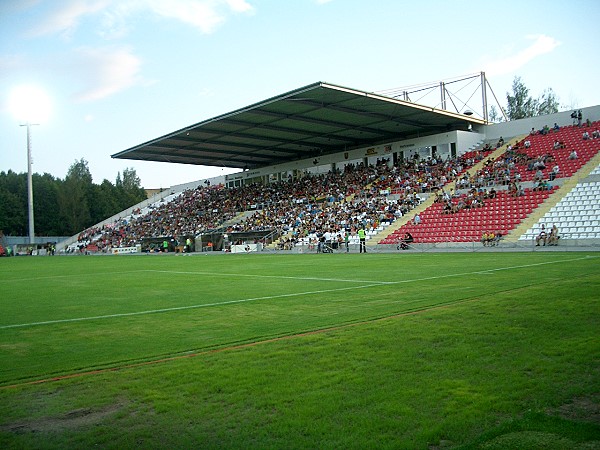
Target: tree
{"points": [[64, 207], [548, 102], [131, 182], [494, 115], [80, 171], [13, 203], [74, 195], [129, 186], [105, 201], [522, 105], [45, 198]]}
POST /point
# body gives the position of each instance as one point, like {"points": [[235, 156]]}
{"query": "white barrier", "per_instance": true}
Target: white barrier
{"points": [[246, 248], [124, 250]]}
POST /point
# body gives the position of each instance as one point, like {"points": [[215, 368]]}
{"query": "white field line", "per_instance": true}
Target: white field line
{"points": [[180, 308], [297, 294], [282, 277], [94, 274], [490, 271]]}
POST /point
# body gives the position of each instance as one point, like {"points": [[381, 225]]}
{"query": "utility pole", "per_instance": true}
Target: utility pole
{"points": [[30, 183]]}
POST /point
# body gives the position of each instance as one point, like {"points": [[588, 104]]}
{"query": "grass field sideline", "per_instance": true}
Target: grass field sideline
{"points": [[502, 351]]}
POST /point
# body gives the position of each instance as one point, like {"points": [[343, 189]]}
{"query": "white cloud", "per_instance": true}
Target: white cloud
{"points": [[108, 71], [200, 14], [10, 63], [239, 6], [206, 15], [101, 71], [64, 20], [542, 44]]}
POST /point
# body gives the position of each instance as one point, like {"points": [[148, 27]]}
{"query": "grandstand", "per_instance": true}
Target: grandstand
{"points": [[323, 161]]}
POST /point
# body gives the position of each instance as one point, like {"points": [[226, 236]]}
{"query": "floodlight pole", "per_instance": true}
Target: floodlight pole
{"points": [[30, 183], [484, 97]]}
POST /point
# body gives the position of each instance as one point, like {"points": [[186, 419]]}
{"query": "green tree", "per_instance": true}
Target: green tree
{"points": [[548, 103], [129, 187], [494, 116], [522, 105], [64, 207], [105, 201], [74, 195], [13, 203], [45, 200]]}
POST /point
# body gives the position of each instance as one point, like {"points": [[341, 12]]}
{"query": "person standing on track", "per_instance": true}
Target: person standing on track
{"points": [[363, 240]]}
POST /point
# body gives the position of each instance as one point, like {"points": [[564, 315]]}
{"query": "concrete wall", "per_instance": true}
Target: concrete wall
{"points": [[20, 240], [523, 126]]}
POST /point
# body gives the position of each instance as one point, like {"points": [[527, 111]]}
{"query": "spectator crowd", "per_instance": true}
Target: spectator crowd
{"points": [[358, 197]]}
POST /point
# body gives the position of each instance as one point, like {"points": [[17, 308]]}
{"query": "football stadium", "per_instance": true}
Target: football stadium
{"points": [[379, 273]]}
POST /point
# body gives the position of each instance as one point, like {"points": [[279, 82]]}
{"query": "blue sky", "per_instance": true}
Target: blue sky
{"points": [[121, 72]]}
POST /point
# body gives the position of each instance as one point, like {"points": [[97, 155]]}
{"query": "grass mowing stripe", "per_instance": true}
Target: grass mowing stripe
{"points": [[252, 343], [487, 271], [181, 308], [193, 354], [269, 276], [295, 294], [52, 277]]}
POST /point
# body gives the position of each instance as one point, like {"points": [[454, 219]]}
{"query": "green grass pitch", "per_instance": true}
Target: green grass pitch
{"points": [[444, 350]]}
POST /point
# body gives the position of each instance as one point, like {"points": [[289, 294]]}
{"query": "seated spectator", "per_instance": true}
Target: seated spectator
{"points": [[406, 241], [490, 238], [573, 155], [553, 237], [417, 219], [497, 238], [596, 134], [542, 186], [532, 132], [447, 208], [500, 142], [555, 127], [539, 175], [527, 143], [541, 237], [554, 173], [586, 135], [485, 240]]}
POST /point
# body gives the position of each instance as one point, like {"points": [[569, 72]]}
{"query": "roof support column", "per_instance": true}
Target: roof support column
{"points": [[484, 96], [443, 94]]}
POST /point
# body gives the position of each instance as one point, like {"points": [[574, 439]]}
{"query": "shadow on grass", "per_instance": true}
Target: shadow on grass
{"points": [[573, 426]]}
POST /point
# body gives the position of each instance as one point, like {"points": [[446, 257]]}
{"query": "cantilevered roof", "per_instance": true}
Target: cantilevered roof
{"points": [[311, 121]]}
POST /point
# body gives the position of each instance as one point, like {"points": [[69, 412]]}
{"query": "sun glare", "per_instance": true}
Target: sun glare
{"points": [[29, 104]]}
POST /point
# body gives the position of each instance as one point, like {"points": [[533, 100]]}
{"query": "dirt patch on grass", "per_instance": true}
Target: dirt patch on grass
{"points": [[528, 439], [581, 408], [71, 420]]}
